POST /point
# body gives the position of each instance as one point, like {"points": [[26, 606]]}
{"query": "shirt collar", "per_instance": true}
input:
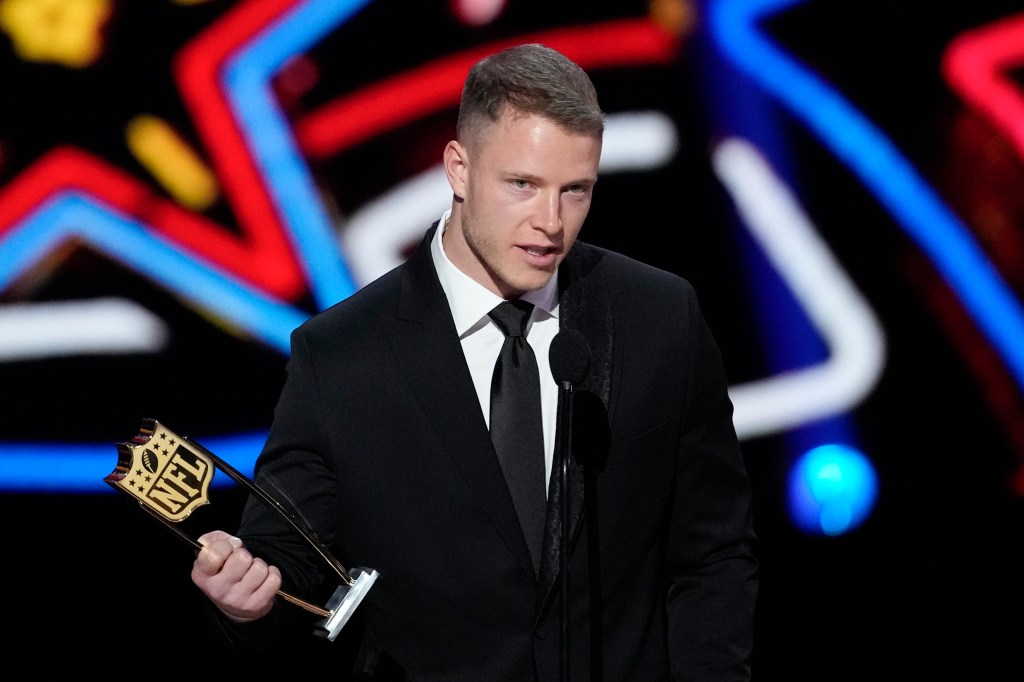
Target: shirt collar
{"points": [[469, 300]]}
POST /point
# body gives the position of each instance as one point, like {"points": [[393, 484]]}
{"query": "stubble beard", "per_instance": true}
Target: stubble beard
{"points": [[497, 265], [487, 256]]}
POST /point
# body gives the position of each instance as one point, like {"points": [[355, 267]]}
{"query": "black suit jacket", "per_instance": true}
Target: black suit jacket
{"points": [[380, 444]]}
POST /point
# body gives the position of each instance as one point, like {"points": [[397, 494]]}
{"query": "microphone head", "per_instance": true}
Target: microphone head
{"points": [[569, 356]]}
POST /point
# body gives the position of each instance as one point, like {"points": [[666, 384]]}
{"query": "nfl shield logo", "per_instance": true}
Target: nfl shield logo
{"points": [[163, 472]]}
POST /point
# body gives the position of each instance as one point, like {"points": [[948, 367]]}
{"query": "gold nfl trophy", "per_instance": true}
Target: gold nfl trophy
{"points": [[169, 475]]}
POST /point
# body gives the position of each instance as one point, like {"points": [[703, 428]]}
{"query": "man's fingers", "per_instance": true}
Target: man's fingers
{"points": [[217, 535], [241, 585], [215, 553], [267, 588], [252, 593]]}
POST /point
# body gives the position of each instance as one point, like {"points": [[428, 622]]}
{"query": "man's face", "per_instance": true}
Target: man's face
{"points": [[523, 187]]}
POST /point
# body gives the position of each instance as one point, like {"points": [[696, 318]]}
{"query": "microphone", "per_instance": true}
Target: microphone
{"points": [[569, 358]]}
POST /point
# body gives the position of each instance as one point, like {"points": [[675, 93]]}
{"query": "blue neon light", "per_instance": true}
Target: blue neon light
{"points": [[832, 490], [887, 174], [80, 468], [268, 135], [70, 214]]}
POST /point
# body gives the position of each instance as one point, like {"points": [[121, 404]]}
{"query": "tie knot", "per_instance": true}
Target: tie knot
{"points": [[512, 316]]}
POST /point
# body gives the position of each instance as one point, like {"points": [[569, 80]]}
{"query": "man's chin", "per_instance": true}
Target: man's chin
{"points": [[534, 282]]}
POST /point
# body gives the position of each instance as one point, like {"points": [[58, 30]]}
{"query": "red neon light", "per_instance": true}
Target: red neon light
{"points": [[64, 169], [197, 69], [975, 65], [393, 102], [262, 254]]}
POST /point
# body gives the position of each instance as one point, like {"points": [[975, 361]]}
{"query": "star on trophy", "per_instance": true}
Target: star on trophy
{"points": [[169, 475]]}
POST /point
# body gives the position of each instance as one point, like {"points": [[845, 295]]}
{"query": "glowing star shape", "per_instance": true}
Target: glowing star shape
{"points": [[67, 32], [287, 241]]}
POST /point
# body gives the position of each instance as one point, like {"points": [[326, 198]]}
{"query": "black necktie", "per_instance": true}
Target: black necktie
{"points": [[516, 427]]}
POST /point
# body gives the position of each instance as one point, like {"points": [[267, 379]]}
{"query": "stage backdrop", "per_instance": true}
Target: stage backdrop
{"points": [[184, 182]]}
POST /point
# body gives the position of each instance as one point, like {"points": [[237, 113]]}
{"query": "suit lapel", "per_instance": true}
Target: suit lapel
{"points": [[584, 305], [423, 327]]}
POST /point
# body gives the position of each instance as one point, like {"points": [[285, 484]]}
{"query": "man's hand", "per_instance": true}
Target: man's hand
{"points": [[242, 586]]}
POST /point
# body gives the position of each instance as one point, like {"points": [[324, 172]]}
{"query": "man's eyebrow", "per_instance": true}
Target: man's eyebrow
{"points": [[589, 181]]}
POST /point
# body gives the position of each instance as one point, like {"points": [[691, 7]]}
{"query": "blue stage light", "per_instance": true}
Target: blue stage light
{"points": [[832, 490]]}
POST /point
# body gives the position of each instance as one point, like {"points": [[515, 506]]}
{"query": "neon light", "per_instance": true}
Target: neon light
{"points": [[430, 88], [832, 489], [65, 169], [106, 326], [817, 281], [376, 236], [171, 161], [267, 134], [976, 64], [35, 207], [66, 32], [209, 71], [886, 173], [45, 468], [477, 12], [71, 214]]}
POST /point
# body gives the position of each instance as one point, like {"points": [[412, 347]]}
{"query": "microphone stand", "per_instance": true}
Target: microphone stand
{"points": [[569, 358], [562, 448]]}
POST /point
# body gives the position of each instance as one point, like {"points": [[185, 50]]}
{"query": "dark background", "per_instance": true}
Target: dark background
{"points": [[927, 588]]}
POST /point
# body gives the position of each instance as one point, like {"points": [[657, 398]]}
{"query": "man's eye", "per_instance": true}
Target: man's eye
{"points": [[520, 184]]}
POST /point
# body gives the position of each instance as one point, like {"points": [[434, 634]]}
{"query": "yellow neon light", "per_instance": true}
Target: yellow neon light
{"points": [[171, 161], [67, 32]]}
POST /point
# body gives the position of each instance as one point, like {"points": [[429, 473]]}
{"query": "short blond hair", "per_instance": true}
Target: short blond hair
{"points": [[529, 79]]}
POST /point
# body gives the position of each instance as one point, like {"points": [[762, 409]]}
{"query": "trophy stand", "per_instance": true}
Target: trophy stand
{"points": [[169, 475]]}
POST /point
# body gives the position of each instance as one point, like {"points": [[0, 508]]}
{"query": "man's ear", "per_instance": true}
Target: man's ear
{"points": [[456, 164]]}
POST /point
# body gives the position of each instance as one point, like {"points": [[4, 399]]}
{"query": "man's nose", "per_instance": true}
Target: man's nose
{"points": [[549, 212]]}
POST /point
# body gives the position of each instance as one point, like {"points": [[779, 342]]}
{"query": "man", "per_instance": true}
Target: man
{"points": [[380, 439]]}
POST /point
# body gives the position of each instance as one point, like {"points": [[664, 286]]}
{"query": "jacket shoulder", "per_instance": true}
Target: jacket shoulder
{"points": [[358, 310], [626, 275]]}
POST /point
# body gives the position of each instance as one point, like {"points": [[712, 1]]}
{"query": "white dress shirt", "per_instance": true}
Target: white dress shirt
{"points": [[481, 339]]}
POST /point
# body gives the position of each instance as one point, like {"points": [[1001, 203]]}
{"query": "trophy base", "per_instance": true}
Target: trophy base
{"points": [[344, 602]]}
